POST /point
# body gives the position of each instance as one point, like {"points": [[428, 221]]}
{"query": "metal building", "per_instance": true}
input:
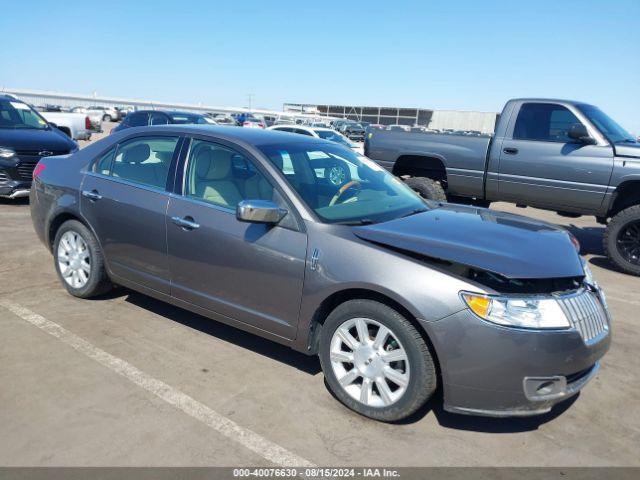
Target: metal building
{"points": [[434, 119]]}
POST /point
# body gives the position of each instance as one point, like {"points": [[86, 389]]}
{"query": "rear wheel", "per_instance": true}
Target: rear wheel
{"points": [[622, 240], [427, 188], [375, 361], [79, 261], [106, 117]]}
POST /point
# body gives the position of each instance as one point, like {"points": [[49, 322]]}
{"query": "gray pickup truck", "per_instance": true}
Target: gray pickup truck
{"points": [[558, 155]]}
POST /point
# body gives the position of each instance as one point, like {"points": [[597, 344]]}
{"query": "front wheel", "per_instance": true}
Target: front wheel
{"points": [[79, 261], [622, 240], [106, 118], [375, 361]]}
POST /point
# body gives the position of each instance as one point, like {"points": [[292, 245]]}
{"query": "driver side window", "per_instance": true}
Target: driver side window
{"points": [[544, 122], [222, 176]]}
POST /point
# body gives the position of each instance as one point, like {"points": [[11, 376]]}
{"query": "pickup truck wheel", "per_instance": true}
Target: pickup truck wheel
{"points": [[106, 118], [79, 261], [622, 240], [427, 188], [375, 361]]}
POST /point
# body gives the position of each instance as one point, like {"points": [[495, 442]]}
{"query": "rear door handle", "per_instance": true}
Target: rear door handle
{"points": [[510, 150], [91, 195], [188, 223]]}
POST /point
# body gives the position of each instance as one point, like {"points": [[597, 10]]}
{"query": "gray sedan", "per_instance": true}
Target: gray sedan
{"points": [[307, 243]]}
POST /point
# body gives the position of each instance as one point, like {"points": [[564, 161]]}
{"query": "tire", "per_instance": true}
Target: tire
{"points": [[106, 118], [418, 368], [97, 281], [427, 188], [627, 220]]}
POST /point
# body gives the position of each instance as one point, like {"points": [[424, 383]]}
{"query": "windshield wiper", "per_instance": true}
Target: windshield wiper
{"points": [[362, 221], [414, 212]]}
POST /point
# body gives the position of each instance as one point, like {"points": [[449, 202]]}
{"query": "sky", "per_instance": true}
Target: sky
{"points": [[451, 55]]}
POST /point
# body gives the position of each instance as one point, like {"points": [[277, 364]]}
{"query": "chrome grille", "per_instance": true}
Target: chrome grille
{"points": [[586, 314], [25, 170]]}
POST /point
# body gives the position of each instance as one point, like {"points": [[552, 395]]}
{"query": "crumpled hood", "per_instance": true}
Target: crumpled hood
{"points": [[32, 139], [510, 245], [628, 150]]}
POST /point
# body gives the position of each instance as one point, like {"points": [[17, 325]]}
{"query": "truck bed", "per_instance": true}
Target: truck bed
{"points": [[463, 156]]}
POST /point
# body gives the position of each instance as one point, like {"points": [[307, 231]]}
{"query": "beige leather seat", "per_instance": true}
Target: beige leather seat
{"points": [[213, 178]]}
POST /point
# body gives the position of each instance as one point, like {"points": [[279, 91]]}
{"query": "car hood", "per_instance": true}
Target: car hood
{"points": [[51, 139], [628, 150], [502, 243]]}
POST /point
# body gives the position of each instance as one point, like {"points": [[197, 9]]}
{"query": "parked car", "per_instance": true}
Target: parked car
{"points": [[253, 122], [161, 117], [558, 155], [95, 117], [353, 131], [320, 132], [109, 114], [25, 138], [399, 128], [302, 241], [75, 125], [222, 119]]}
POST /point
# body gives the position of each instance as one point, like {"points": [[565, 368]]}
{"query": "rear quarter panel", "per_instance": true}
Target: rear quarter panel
{"points": [[463, 156]]}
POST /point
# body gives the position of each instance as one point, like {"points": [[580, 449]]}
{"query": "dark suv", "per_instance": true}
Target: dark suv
{"points": [[25, 137], [143, 118]]}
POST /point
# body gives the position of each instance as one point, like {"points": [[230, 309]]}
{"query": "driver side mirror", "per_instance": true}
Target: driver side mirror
{"points": [[579, 132], [260, 211], [51, 124]]}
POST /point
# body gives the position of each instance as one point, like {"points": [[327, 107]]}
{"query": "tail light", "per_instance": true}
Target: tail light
{"points": [[38, 169], [87, 123], [246, 124]]}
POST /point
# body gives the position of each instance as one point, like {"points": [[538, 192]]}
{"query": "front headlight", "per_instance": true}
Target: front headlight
{"points": [[7, 152], [588, 275], [523, 312]]}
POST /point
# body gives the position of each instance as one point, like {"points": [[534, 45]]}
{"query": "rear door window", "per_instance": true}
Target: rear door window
{"points": [[138, 119], [145, 160]]}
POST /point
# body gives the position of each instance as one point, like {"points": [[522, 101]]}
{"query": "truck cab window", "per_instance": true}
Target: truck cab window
{"points": [[544, 121]]}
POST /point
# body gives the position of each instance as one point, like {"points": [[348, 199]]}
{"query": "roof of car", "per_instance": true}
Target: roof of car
{"points": [[252, 136]]}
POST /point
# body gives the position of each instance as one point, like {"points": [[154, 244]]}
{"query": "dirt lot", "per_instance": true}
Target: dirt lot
{"points": [[66, 403]]}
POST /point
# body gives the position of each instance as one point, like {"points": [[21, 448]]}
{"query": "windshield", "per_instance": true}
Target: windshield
{"points": [[341, 186], [16, 114], [333, 136], [609, 128]]}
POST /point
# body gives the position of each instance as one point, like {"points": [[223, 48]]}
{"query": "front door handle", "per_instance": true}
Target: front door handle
{"points": [[510, 150], [91, 195], [187, 223]]}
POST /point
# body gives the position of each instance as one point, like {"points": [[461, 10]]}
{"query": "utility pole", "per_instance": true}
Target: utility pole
{"points": [[250, 98]]}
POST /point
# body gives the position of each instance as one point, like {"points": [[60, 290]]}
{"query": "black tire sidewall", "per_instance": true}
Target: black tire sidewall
{"points": [[615, 226], [97, 277], [422, 380], [427, 188]]}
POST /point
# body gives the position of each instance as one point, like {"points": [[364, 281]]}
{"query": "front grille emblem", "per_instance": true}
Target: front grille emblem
{"points": [[45, 153]]}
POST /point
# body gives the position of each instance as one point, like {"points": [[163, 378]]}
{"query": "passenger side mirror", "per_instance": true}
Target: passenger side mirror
{"points": [[259, 211], [579, 132]]}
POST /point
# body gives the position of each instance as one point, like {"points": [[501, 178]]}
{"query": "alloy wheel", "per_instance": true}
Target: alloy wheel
{"points": [[629, 242], [369, 362], [74, 259]]}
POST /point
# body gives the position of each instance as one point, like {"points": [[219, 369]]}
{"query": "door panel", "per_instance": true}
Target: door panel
{"points": [[571, 175], [129, 221], [250, 272]]}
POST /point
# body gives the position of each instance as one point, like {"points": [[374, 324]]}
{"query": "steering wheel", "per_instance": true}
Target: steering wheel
{"points": [[343, 189]]}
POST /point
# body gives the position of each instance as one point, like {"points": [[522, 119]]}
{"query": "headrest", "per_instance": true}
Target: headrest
{"points": [[137, 154], [213, 164]]}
